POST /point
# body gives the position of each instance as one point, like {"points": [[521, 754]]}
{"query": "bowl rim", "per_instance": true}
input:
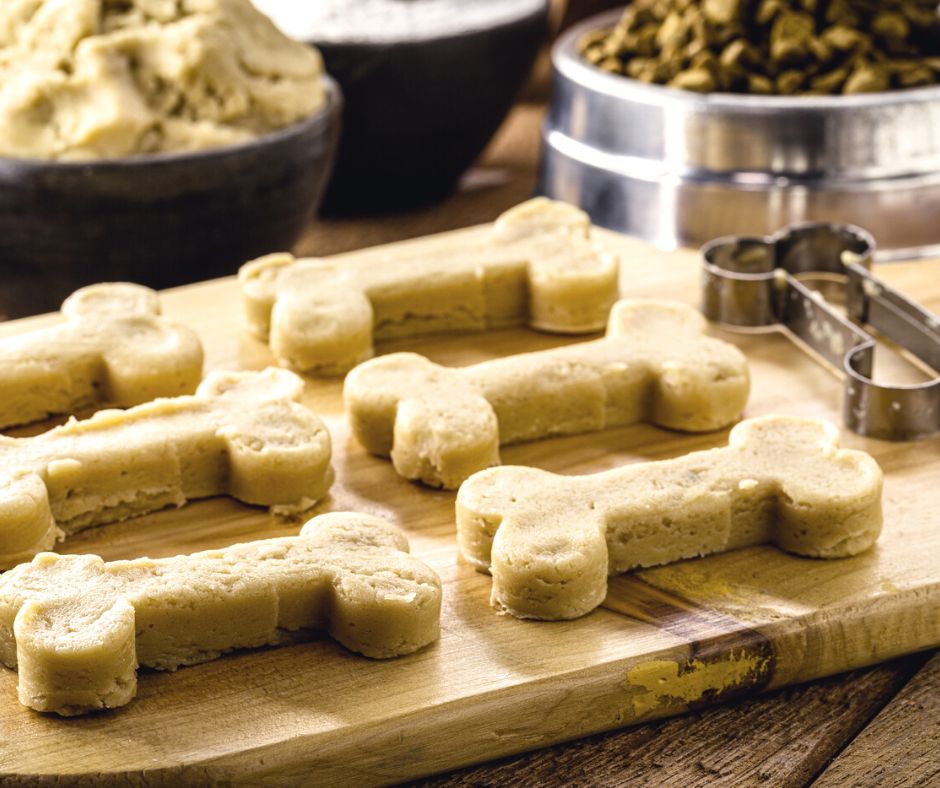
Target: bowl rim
{"points": [[540, 10], [323, 116], [567, 60]]}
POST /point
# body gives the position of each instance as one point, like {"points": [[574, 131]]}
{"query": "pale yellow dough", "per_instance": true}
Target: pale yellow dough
{"points": [[440, 425], [537, 265], [551, 541], [113, 347], [98, 79], [76, 628], [243, 434]]}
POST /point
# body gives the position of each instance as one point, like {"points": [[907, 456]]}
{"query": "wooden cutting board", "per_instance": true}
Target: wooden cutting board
{"points": [[666, 639]]}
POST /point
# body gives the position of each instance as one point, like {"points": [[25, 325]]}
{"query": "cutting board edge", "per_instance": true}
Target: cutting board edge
{"points": [[614, 703]]}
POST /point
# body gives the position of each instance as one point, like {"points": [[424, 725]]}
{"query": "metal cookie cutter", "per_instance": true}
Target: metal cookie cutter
{"points": [[752, 282]]}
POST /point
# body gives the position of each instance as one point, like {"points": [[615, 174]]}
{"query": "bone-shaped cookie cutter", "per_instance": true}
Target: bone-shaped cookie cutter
{"points": [[756, 282], [441, 424], [551, 541], [113, 347], [244, 434], [76, 627]]}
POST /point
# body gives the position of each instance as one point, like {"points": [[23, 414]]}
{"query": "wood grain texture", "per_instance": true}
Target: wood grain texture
{"points": [[777, 741], [667, 640], [899, 748]]}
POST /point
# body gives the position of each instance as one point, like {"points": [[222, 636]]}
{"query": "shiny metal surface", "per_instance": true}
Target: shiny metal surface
{"points": [[765, 282], [680, 168]]}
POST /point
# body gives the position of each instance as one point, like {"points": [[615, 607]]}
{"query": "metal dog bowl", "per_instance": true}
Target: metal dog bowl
{"points": [[680, 168]]}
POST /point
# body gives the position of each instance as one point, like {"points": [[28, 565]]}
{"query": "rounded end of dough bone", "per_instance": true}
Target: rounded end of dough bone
{"points": [[703, 395], [372, 391], [112, 299], [270, 383], [258, 280], [389, 613], [278, 456], [572, 290], [321, 330], [548, 573], [442, 440], [355, 528], [539, 216], [26, 522], [829, 501], [483, 501], [75, 656], [152, 359], [656, 317]]}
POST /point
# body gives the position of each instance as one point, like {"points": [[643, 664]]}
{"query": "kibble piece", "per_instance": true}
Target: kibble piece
{"points": [[866, 79], [891, 25], [722, 11], [789, 82], [916, 77], [790, 38], [760, 85], [699, 80], [830, 82]]}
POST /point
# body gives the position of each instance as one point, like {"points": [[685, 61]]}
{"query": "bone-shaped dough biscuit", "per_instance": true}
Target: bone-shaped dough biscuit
{"points": [[537, 265], [242, 433], [76, 627], [441, 424], [113, 347], [551, 541]]}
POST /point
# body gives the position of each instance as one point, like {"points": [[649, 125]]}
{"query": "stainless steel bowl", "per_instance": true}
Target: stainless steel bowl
{"points": [[680, 168]]}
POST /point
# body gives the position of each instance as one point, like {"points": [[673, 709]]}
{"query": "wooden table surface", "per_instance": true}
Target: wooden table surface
{"points": [[873, 727], [878, 726]]}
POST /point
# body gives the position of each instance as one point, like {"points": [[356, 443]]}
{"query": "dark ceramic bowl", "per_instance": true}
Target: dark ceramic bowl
{"points": [[418, 112], [159, 220]]}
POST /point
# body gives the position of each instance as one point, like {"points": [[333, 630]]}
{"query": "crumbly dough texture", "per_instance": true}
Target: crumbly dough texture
{"points": [[113, 347], [537, 266], [243, 434], [99, 79], [551, 541], [440, 425], [76, 628]]}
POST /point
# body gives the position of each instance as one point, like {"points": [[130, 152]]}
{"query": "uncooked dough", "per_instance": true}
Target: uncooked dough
{"points": [[440, 424], [244, 434], [98, 79], [537, 265], [112, 348], [76, 627], [551, 541]]}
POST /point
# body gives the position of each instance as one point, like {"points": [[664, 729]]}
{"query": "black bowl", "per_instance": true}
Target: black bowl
{"points": [[418, 112], [159, 220]]}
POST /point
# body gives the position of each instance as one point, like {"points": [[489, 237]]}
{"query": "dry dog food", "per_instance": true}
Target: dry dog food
{"points": [[804, 47]]}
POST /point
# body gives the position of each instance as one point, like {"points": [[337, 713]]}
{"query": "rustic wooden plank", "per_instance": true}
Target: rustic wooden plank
{"points": [[900, 747], [780, 740], [666, 641]]}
